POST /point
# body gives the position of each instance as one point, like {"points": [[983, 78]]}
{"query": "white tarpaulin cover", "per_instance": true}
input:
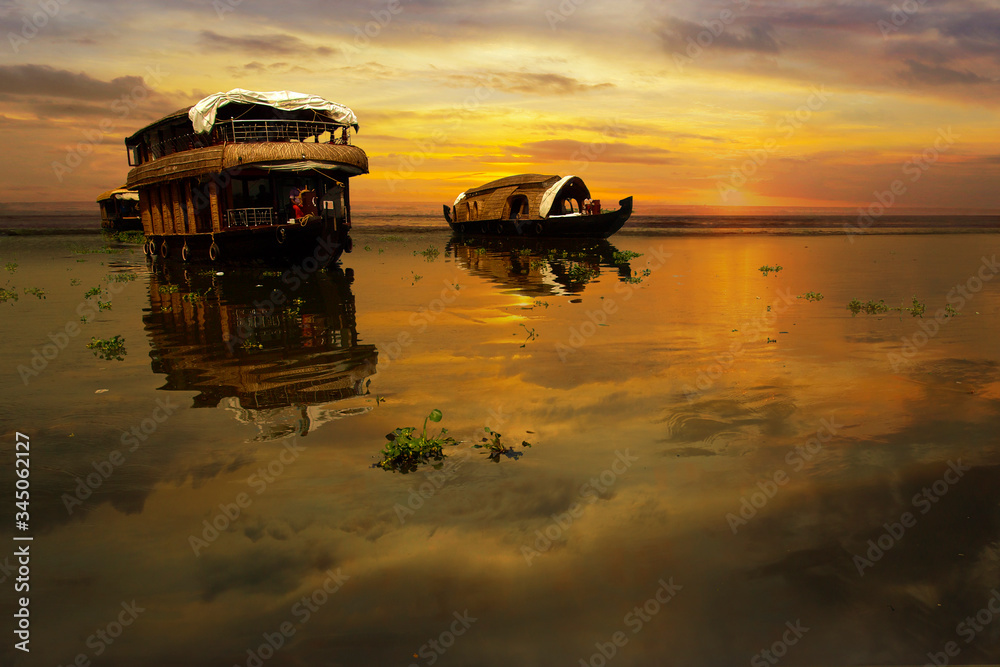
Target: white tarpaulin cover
{"points": [[302, 165], [458, 199], [550, 196], [202, 115]]}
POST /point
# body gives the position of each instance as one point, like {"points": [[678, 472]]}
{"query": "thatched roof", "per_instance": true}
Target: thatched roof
{"points": [[215, 159], [538, 180]]}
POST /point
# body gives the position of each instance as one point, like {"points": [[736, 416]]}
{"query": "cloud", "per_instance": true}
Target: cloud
{"points": [[677, 34], [51, 82], [255, 68], [278, 44], [533, 83], [937, 75], [555, 150]]}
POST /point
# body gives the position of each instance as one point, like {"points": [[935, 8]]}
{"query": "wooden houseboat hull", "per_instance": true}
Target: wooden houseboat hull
{"points": [[598, 226], [321, 241]]}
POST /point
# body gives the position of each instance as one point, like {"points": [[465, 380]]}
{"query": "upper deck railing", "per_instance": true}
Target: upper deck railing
{"points": [[242, 132]]}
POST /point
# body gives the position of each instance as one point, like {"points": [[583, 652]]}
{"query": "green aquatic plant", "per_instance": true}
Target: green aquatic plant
{"points": [[168, 289], [103, 305], [870, 307], [120, 277], [197, 296], [495, 448], [7, 295], [405, 452], [294, 309], [624, 256], [917, 309], [132, 236], [11, 267], [93, 291], [581, 273], [107, 250], [769, 269], [949, 311], [73, 282], [811, 296], [531, 335], [430, 254], [108, 348], [35, 291], [391, 239]]}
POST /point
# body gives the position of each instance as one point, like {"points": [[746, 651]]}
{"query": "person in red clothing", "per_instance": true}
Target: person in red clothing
{"points": [[296, 199]]}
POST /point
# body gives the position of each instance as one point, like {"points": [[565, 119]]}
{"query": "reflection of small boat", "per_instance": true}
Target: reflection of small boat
{"points": [[248, 176], [535, 205], [277, 350], [538, 267], [120, 210]]}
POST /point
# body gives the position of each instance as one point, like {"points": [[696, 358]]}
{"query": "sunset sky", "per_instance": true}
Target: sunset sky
{"points": [[718, 102]]}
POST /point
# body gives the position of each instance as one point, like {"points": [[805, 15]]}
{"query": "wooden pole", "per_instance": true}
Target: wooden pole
{"points": [[213, 197], [154, 209], [192, 218], [175, 194], [147, 219]]}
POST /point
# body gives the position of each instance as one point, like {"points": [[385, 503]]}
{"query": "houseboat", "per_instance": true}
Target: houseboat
{"points": [[539, 267], [283, 366], [119, 210], [535, 205], [245, 175]]}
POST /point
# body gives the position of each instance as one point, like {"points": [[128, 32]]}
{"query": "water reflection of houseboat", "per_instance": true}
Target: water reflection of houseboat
{"points": [[120, 210], [247, 175], [279, 358], [537, 267], [535, 205]]}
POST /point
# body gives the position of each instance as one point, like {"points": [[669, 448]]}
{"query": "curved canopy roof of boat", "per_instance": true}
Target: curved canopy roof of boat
{"points": [[568, 187], [242, 104], [542, 191], [122, 192]]}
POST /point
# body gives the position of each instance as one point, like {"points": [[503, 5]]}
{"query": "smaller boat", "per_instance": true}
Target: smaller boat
{"points": [[120, 210], [535, 205]]}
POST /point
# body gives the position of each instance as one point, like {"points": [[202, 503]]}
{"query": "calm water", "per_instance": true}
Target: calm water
{"points": [[718, 467]]}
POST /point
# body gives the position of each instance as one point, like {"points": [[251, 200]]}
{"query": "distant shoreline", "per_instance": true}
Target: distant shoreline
{"points": [[758, 230], [50, 220]]}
